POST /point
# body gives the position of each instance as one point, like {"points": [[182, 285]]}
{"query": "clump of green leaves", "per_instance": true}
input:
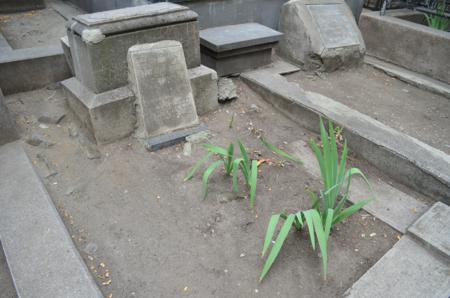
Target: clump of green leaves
{"points": [[233, 165], [328, 206], [439, 20]]}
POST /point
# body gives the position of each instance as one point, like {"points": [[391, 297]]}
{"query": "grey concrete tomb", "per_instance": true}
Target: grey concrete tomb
{"points": [[99, 42], [236, 48], [159, 78], [320, 34]]}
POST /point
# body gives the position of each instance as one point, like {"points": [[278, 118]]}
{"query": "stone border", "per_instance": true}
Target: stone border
{"points": [[404, 158]]}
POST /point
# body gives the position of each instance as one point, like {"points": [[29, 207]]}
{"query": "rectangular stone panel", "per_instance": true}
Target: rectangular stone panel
{"points": [[159, 78], [334, 26]]}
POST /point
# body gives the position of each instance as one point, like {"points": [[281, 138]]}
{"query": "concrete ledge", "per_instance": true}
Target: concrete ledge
{"points": [[419, 80], [42, 258], [404, 158], [433, 229], [33, 68], [407, 270], [107, 116], [408, 44]]}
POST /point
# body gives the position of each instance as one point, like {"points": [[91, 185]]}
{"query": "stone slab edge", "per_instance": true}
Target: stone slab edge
{"points": [[172, 138], [433, 229], [409, 160], [419, 80], [64, 272]]}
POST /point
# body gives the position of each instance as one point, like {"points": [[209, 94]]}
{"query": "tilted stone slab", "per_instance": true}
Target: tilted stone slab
{"points": [[160, 81], [41, 256], [236, 48], [403, 157], [99, 42], [320, 33], [407, 270], [433, 228]]}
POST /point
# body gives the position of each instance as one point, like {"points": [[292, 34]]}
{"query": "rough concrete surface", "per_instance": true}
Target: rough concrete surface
{"points": [[404, 158], [33, 28], [8, 131], [130, 211], [408, 270], [9, 6], [160, 82], [39, 251], [6, 283], [414, 46], [433, 228], [204, 89], [418, 113]]}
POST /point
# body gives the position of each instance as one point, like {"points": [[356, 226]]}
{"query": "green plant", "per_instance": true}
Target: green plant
{"points": [[328, 207], [439, 20]]}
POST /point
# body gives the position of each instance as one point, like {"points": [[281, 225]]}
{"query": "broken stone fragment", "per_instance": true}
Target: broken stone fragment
{"points": [[227, 90], [38, 140], [53, 118]]}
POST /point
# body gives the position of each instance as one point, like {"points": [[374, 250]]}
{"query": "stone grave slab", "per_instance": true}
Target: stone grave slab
{"points": [[433, 228], [99, 42], [320, 34], [8, 131], [236, 48], [159, 78], [204, 88]]}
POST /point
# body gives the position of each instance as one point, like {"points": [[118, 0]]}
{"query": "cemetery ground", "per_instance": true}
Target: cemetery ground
{"points": [[140, 229]]}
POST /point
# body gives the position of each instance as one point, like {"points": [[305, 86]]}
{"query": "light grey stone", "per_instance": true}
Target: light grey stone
{"points": [[405, 158], [236, 48], [254, 108], [37, 139], [100, 63], [199, 137], [66, 49], [204, 89], [159, 79], [413, 78], [41, 256], [408, 43], [227, 90], [187, 149], [320, 34], [8, 131], [433, 228], [407, 270], [52, 117], [390, 205], [108, 116]]}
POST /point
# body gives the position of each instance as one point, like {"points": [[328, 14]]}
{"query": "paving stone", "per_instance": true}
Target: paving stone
{"points": [[159, 79], [408, 270], [42, 258], [433, 228], [392, 206]]}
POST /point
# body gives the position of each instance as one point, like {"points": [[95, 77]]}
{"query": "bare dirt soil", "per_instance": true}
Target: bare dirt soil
{"points": [[35, 28], [418, 113], [143, 232]]}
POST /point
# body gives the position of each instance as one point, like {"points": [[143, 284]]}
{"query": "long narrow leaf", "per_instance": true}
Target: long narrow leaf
{"points": [[270, 231], [194, 169], [245, 156], [253, 182], [282, 235], [229, 159], [349, 211], [216, 149], [309, 221], [235, 174], [280, 152], [206, 175]]}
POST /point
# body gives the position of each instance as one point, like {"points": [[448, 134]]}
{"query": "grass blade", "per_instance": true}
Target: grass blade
{"points": [[278, 244], [245, 156], [252, 182], [235, 174], [270, 231], [229, 159], [206, 175], [309, 222], [194, 169], [280, 152], [216, 149], [349, 211]]}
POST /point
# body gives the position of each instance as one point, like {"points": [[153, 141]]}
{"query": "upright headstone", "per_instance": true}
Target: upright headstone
{"points": [[8, 131], [159, 78], [320, 33]]}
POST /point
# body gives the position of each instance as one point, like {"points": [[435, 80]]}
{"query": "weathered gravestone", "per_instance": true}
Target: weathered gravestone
{"points": [[320, 33], [159, 78]]}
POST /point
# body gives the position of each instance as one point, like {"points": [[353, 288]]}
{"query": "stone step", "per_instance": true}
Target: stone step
{"points": [[416, 79], [407, 270], [390, 205], [404, 158], [41, 256]]}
